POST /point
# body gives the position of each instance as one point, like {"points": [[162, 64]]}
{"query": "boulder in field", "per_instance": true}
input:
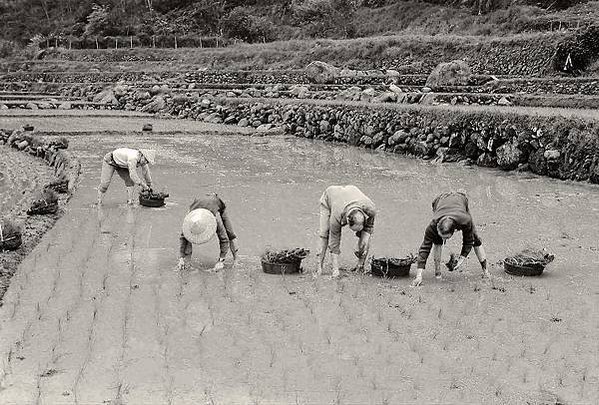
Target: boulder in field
{"points": [[120, 90], [321, 72], [504, 101], [67, 105], [386, 97], [31, 106], [106, 97], [454, 73], [243, 122], [508, 156], [44, 105], [141, 95], [154, 106], [395, 89], [264, 127], [299, 91]]}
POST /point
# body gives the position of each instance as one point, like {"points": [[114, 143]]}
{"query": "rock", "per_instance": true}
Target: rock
{"points": [[366, 140], [44, 105], [299, 91], [370, 92], [321, 72], [154, 106], [230, 94], [243, 122], [392, 74], [205, 102], [147, 127], [31, 106], [386, 97], [3, 107], [537, 162], [230, 120], [352, 94], [508, 156], [22, 144], [67, 105], [378, 139], [551, 154], [120, 90], [106, 97], [141, 95], [504, 101], [454, 73], [426, 89], [191, 86], [264, 127], [180, 99], [395, 89], [486, 160], [325, 126], [594, 176], [427, 99], [398, 137]]}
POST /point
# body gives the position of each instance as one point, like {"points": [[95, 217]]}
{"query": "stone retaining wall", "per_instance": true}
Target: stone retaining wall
{"points": [[559, 147]]}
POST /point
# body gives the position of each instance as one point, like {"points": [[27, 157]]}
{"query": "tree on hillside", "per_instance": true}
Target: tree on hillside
{"points": [[326, 17], [97, 21], [242, 24]]}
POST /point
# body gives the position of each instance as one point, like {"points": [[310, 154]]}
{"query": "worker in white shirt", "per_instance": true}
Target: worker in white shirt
{"points": [[125, 162]]}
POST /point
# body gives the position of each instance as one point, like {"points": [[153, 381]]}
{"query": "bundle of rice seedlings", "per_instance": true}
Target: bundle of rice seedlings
{"points": [[530, 257], [285, 256]]}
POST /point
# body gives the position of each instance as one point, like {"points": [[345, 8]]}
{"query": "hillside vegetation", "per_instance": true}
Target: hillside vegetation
{"points": [[87, 23]]}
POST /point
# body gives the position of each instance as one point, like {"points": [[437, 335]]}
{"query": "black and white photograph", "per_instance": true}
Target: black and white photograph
{"points": [[299, 202]]}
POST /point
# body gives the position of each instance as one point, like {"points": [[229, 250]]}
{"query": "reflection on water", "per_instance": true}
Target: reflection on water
{"points": [[272, 186]]}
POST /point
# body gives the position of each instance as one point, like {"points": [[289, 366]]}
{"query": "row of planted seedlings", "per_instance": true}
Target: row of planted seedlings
{"points": [[45, 201]]}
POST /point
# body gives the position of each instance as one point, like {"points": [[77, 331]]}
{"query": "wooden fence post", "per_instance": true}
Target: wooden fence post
{"points": [[131, 42], [116, 43], [153, 41], [97, 45], [175, 42]]}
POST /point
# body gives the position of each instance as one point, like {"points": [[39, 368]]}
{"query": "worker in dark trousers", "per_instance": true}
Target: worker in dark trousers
{"points": [[450, 214]]}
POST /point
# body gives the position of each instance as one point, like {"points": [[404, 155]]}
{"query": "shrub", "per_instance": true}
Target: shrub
{"points": [[240, 23], [578, 52]]}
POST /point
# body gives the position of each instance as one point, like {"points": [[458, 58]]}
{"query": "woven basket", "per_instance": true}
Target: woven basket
{"points": [[12, 243], [516, 270], [390, 267], [281, 268], [43, 209], [151, 202]]}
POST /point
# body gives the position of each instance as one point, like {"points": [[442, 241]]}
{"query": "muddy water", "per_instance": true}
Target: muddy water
{"points": [[272, 186], [117, 324]]}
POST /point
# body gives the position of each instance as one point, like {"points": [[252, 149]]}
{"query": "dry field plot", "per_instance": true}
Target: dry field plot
{"points": [[97, 313]]}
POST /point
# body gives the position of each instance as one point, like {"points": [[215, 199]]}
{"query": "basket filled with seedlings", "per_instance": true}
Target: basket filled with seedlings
{"points": [[60, 185], [391, 266], [285, 261], [10, 235], [151, 198], [46, 203], [529, 262]]}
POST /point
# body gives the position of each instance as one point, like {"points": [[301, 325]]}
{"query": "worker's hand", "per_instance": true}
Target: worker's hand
{"points": [[144, 187], [460, 261], [417, 281], [219, 265], [181, 264]]}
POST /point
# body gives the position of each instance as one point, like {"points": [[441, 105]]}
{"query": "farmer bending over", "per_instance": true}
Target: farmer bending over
{"points": [[125, 162], [195, 234], [450, 213], [340, 206]]}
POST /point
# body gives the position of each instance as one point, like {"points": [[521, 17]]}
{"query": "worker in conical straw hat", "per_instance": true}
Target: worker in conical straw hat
{"points": [[340, 206], [207, 216], [125, 162], [450, 213]]}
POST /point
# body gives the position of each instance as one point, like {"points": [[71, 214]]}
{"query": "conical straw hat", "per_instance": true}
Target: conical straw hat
{"points": [[199, 226]]}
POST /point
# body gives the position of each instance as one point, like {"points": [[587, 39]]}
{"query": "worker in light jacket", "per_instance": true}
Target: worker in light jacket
{"points": [[341, 206], [125, 162]]}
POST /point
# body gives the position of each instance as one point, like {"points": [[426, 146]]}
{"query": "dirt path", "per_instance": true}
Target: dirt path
{"points": [[96, 313]]}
